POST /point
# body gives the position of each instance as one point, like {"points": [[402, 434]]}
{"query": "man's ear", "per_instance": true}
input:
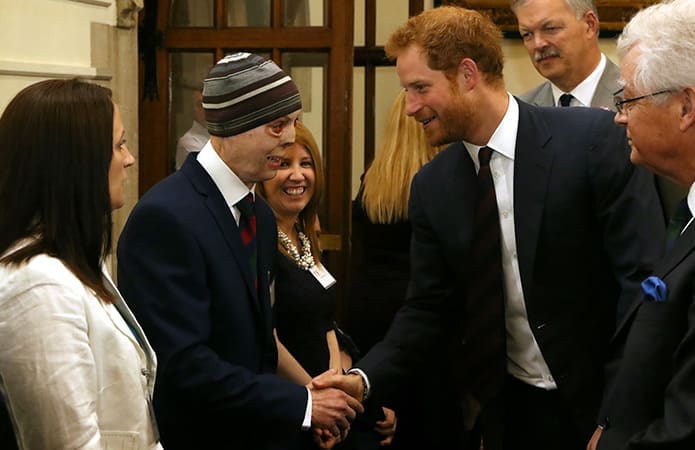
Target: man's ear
{"points": [[687, 116], [591, 21], [468, 69]]}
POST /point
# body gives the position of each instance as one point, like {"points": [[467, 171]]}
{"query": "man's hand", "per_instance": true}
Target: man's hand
{"points": [[324, 439], [593, 442], [387, 427], [351, 384], [331, 408]]}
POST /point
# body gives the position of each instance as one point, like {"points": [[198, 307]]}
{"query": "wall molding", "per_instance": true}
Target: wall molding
{"points": [[104, 3], [41, 70]]}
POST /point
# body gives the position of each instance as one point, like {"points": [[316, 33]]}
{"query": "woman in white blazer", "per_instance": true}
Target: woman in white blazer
{"points": [[76, 370]]}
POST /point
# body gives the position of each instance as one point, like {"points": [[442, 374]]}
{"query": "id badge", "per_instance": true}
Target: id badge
{"points": [[322, 275]]}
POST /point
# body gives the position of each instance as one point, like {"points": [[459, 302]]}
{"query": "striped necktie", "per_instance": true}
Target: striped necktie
{"points": [[247, 227], [484, 326]]}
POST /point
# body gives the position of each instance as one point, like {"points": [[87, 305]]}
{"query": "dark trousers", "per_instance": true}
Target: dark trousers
{"points": [[526, 417]]}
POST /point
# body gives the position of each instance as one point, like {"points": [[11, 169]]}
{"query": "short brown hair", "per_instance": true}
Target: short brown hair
{"points": [[447, 35]]}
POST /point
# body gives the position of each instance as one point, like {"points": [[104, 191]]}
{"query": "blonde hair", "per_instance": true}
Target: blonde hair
{"points": [[386, 185]]}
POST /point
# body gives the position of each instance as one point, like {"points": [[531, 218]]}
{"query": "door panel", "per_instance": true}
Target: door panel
{"points": [[311, 39]]}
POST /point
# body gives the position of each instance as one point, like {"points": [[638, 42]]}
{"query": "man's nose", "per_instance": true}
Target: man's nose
{"points": [[411, 105]]}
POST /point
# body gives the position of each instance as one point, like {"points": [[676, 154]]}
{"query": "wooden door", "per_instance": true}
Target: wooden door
{"points": [[311, 40]]}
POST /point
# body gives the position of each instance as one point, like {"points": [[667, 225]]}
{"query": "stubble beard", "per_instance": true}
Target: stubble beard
{"points": [[455, 121]]}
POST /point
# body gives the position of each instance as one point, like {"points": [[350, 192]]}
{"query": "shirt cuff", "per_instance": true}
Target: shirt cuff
{"points": [[306, 424], [365, 381]]}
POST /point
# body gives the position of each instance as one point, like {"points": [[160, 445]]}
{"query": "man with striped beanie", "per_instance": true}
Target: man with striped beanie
{"points": [[195, 265]]}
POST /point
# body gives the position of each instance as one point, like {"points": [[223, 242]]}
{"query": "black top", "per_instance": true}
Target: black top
{"points": [[379, 275], [303, 313]]}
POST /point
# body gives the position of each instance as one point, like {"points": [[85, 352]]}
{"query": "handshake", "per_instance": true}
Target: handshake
{"points": [[336, 401]]}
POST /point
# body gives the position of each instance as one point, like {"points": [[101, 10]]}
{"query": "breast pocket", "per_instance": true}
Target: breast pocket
{"points": [[119, 440], [667, 313]]}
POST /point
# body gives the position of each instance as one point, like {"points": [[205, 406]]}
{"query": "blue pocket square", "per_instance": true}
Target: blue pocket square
{"points": [[654, 289]]}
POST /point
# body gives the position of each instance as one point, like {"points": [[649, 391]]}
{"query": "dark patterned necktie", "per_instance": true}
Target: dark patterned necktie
{"points": [[566, 99], [678, 221], [247, 227], [484, 324]]}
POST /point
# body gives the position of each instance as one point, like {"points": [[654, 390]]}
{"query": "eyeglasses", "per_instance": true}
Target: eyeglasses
{"points": [[619, 101]]}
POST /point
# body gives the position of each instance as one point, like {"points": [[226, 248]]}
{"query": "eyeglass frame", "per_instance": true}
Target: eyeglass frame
{"points": [[619, 101]]}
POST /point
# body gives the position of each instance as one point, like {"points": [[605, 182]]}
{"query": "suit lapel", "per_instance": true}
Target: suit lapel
{"points": [[266, 233], [532, 163], [607, 85], [684, 246], [460, 169], [545, 96], [123, 319], [215, 203]]}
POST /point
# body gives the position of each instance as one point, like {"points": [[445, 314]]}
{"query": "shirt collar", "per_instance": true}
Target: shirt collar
{"points": [[229, 184], [584, 92], [503, 140], [691, 198]]}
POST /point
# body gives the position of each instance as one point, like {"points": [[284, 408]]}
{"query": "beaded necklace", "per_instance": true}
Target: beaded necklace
{"points": [[305, 261]]}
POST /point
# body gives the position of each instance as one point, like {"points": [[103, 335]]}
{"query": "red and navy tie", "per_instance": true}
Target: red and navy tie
{"points": [[484, 325], [247, 227]]}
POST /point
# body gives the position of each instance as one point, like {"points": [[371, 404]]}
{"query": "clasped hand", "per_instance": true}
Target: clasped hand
{"points": [[334, 406]]}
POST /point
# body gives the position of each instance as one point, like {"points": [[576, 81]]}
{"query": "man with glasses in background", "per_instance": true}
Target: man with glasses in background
{"points": [[650, 397], [561, 37]]}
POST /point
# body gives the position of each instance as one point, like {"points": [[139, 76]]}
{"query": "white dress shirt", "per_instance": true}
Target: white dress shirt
{"points": [[584, 92], [233, 190], [229, 184], [192, 141], [524, 358], [691, 206]]}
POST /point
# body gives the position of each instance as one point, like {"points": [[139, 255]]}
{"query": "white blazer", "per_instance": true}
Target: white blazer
{"points": [[75, 372]]}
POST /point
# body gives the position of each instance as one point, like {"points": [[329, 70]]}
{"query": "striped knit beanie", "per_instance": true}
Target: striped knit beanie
{"points": [[244, 91]]}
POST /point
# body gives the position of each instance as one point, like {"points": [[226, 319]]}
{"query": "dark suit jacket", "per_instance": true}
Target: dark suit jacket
{"points": [[587, 225], [650, 402], [542, 95], [184, 272]]}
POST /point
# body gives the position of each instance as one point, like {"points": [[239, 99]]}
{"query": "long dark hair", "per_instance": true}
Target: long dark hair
{"points": [[56, 145]]}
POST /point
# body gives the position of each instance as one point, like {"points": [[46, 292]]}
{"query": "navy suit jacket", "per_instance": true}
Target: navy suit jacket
{"points": [[542, 95], [587, 224], [184, 272], [650, 401]]}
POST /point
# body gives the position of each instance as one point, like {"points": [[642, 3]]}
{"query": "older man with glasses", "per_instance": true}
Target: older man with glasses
{"points": [[650, 399]]}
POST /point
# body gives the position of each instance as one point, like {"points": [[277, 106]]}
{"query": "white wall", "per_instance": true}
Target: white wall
{"points": [[46, 39], [519, 74], [42, 39]]}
